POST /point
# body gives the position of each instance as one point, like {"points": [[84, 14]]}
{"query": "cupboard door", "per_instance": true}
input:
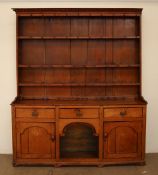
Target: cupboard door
{"points": [[122, 140], [35, 140]]}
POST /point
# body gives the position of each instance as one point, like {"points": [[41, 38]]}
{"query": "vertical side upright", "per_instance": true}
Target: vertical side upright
{"points": [[17, 55]]}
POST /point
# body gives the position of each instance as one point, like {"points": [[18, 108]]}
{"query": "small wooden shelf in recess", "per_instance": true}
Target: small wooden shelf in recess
{"points": [[73, 37], [84, 66], [73, 84]]}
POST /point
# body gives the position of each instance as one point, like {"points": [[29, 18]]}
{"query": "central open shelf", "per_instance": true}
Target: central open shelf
{"points": [[79, 140]]}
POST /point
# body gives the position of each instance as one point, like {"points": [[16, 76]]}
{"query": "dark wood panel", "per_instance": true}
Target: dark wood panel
{"points": [[53, 54], [79, 27], [95, 76], [118, 27], [125, 52], [57, 76], [132, 26], [96, 27], [109, 27], [126, 75], [78, 76], [94, 91], [31, 75], [78, 52], [125, 27], [59, 26], [109, 52], [31, 52], [77, 91], [32, 92], [128, 91], [122, 75], [31, 26], [52, 92], [96, 52]]}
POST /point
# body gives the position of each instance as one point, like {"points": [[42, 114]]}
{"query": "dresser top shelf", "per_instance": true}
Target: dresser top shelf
{"points": [[85, 102]]}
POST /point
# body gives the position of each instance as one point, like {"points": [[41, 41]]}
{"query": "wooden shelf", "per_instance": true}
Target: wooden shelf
{"points": [[84, 66], [76, 37], [106, 100], [75, 84]]}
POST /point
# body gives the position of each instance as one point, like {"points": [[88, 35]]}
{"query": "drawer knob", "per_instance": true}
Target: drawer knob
{"points": [[78, 112], [123, 113], [53, 137], [105, 136], [34, 113]]}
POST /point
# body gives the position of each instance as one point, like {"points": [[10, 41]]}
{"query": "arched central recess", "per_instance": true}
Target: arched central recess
{"points": [[79, 140]]}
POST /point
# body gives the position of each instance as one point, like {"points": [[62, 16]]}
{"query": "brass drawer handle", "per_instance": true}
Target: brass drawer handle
{"points": [[105, 136], [123, 113], [35, 113], [78, 112], [53, 137]]}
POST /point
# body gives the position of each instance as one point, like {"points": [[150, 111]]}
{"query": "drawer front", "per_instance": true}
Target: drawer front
{"points": [[123, 112], [35, 113], [79, 113]]}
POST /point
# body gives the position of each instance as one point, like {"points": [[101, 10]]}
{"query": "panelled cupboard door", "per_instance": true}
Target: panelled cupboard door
{"points": [[122, 140], [35, 140]]}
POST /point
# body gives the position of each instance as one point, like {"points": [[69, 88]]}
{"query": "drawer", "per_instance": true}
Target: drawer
{"points": [[35, 113], [123, 112], [79, 113]]}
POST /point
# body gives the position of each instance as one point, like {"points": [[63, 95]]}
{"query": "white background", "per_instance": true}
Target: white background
{"points": [[8, 64]]}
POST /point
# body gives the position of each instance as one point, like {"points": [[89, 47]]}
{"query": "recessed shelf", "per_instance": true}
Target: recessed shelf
{"points": [[84, 66], [76, 37], [77, 84], [81, 99]]}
